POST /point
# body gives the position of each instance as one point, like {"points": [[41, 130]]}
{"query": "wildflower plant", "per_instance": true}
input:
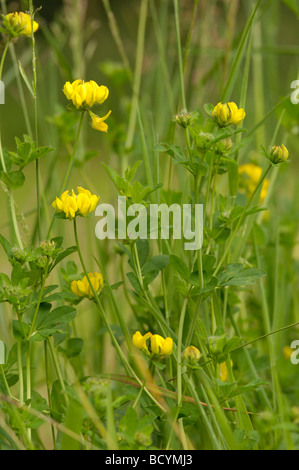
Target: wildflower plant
{"points": [[100, 334]]}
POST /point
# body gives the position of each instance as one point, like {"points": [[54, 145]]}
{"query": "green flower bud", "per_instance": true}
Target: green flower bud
{"points": [[191, 355], [279, 154]]}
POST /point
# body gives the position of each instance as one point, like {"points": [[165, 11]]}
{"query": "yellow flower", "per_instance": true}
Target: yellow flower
{"points": [[157, 347], [86, 201], [223, 371], [72, 204], [160, 346], [228, 113], [20, 23], [250, 175], [98, 123], [83, 289], [279, 154], [191, 355], [85, 94], [141, 341]]}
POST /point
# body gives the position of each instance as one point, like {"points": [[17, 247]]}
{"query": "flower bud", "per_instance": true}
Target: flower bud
{"points": [[191, 355], [183, 119], [279, 154]]}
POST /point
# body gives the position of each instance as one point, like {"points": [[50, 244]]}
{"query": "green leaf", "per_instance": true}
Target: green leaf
{"points": [[134, 282], [293, 5], [246, 277], [20, 331], [64, 254], [173, 150], [6, 246], [50, 322], [7, 161], [73, 421], [73, 347], [25, 78], [209, 108], [180, 267], [13, 179], [156, 263]]}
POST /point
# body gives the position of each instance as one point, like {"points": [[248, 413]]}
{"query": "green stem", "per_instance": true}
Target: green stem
{"points": [[35, 120], [57, 365], [241, 218], [28, 381], [10, 192], [179, 48], [3, 58], [20, 371], [39, 301], [122, 357], [48, 382], [5, 382], [69, 168]]}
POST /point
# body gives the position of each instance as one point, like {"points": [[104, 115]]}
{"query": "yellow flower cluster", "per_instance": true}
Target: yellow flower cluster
{"points": [[20, 23], [250, 176], [83, 289], [153, 345], [228, 113], [84, 94], [73, 204]]}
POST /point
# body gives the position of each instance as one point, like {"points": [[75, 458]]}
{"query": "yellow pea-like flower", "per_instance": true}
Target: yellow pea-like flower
{"points": [[85, 94], [82, 288], [141, 341], [72, 204], [157, 346], [160, 346], [20, 23], [98, 123], [250, 175], [228, 113], [236, 115]]}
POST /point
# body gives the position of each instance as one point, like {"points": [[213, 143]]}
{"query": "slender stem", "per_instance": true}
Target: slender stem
{"points": [[103, 314], [10, 192], [69, 168], [3, 58], [39, 301], [20, 371], [48, 382], [241, 218], [179, 48], [179, 352], [28, 380], [5, 382], [34, 70], [179, 370]]}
